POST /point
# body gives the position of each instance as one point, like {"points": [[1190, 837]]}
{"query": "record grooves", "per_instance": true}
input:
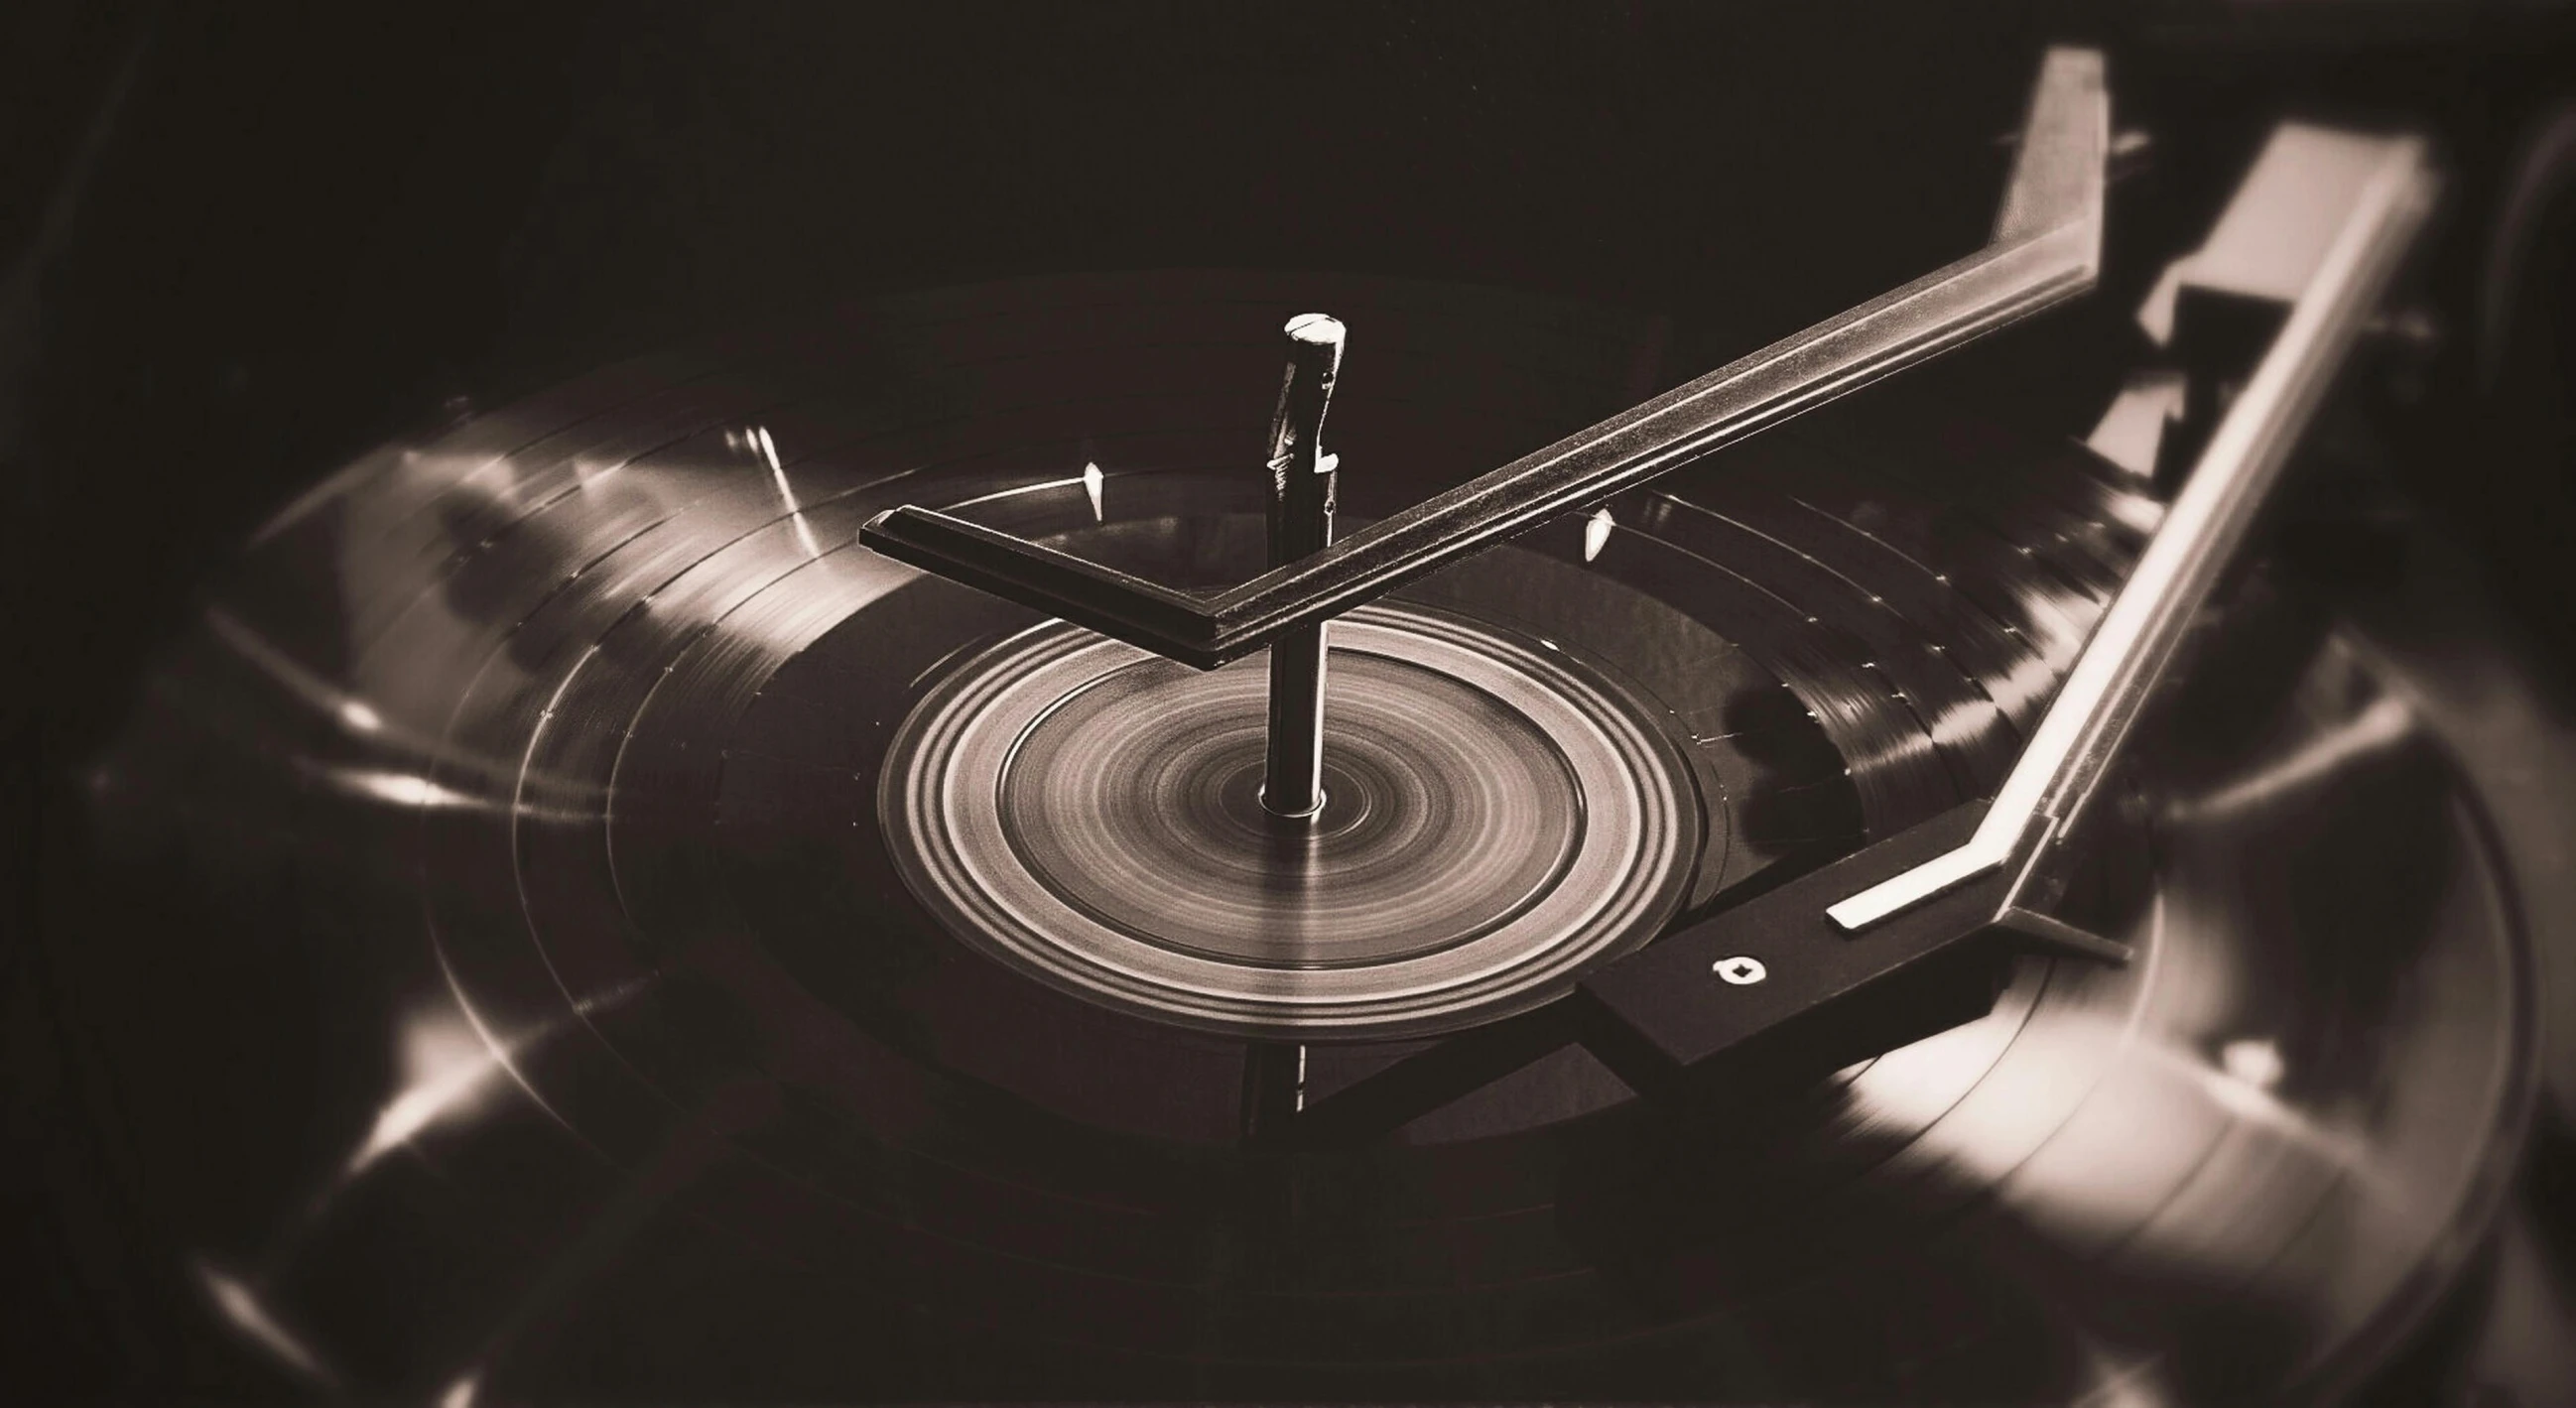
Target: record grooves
{"points": [[608, 743], [1491, 822]]}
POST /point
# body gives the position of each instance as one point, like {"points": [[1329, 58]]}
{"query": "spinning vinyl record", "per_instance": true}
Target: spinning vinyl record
{"points": [[639, 942]]}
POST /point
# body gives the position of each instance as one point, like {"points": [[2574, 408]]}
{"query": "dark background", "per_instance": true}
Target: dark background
{"points": [[244, 243]]}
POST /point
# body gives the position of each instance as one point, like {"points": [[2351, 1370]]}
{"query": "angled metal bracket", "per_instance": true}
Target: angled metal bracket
{"points": [[2046, 248], [2077, 739]]}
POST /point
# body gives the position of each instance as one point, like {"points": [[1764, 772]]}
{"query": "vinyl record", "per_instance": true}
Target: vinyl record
{"points": [[643, 943]]}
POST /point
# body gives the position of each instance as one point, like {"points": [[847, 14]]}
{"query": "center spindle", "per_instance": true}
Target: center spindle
{"points": [[1302, 484]]}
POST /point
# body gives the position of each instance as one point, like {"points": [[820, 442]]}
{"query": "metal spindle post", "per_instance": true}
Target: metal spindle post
{"points": [[1302, 483]]}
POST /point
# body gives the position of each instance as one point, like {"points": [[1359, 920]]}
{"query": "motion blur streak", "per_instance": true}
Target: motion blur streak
{"points": [[240, 1306]]}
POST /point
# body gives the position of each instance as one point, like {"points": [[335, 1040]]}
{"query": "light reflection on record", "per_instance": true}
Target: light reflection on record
{"points": [[518, 799]]}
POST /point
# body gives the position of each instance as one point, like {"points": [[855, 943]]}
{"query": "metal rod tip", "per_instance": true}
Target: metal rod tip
{"points": [[1322, 329]]}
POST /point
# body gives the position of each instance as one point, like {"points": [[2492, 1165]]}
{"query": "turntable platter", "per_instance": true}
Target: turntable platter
{"points": [[1492, 821]]}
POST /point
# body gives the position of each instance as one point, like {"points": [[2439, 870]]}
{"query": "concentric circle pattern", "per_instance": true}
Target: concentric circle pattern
{"points": [[1493, 821]]}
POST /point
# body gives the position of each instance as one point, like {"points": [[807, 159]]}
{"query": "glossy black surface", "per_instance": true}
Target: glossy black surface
{"points": [[509, 825]]}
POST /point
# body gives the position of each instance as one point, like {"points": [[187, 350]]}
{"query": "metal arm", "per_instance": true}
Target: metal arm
{"points": [[2046, 248], [1782, 983], [2084, 726]]}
